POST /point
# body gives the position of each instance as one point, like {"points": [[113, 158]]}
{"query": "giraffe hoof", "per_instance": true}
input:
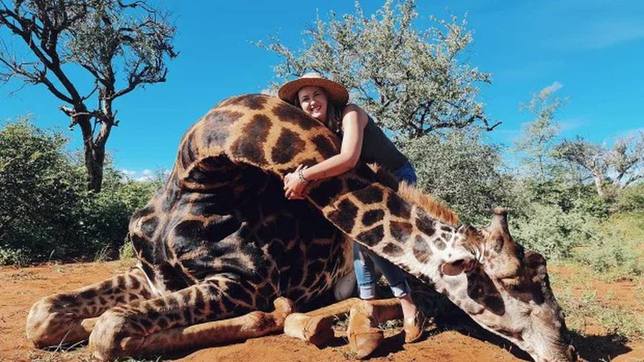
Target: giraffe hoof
{"points": [[47, 327], [283, 307], [319, 330], [314, 330], [363, 336], [107, 338]]}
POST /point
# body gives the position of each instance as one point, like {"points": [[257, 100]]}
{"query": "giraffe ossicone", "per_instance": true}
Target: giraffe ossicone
{"points": [[219, 243]]}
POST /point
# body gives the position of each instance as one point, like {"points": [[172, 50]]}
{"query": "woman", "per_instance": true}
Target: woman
{"points": [[362, 140]]}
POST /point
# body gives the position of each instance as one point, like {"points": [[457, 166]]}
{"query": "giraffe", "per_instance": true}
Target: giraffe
{"points": [[219, 242]]}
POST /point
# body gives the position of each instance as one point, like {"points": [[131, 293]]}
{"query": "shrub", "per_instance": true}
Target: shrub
{"points": [[39, 189], [616, 251], [553, 217], [551, 231], [460, 170], [46, 211], [631, 198]]}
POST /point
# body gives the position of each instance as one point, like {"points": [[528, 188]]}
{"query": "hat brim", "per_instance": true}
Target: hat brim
{"points": [[336, 91]]}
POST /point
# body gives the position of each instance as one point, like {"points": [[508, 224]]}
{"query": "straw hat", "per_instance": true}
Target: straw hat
{"points": [[336, 91]]}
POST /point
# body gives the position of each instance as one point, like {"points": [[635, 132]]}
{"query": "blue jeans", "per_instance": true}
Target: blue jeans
{"points": [[365, 261]]}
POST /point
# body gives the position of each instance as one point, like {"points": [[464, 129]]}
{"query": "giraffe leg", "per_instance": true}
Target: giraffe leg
{"points": [[363, 332], [189, 318], [315, 326], [69, 317]]}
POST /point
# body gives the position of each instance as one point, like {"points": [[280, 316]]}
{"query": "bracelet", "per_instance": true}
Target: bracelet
{"points": [[300, 175]]}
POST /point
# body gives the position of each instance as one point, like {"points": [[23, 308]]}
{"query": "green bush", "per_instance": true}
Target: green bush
{"points": [[554, 217], [38, 192], [616, 252], [460, 170], [45, 210], [631, 198], [104, 217], [551, 231]]}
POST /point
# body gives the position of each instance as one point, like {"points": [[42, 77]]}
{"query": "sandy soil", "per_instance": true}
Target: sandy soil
{"points": [[20, 288]]}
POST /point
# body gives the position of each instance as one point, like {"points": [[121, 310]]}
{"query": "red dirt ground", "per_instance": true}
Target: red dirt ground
{"points": [[20, 288]]}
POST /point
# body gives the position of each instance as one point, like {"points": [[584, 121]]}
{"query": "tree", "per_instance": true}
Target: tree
{"points": [[619, 167], [37, 192], [537, 140], [45, 209], [412, 82], [460, 170], [122, 46], [415, 84]]}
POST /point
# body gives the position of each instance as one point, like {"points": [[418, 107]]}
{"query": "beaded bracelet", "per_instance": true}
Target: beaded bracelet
{"points": [[300, 175]]}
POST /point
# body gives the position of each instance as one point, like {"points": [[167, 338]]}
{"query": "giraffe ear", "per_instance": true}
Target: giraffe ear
{"points": [[457, 267]]}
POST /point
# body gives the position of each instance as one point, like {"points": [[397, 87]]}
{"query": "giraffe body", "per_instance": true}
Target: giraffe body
{"points": [[219, 240]]}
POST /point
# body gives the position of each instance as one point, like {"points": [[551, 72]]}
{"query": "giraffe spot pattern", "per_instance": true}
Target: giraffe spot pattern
{"points": [[421, 249], [216, 127], [88, 294], [425, 224], [481, 288], [369, 195], [253, 101], [291, 114], [372, 216], [288, 145], [344, 216], [324, 146], [187, 152], [355, 184], [149, 226], [440, 244], [398, 207], [174, 279], [401, 231], [392, 250], [134, 282], [326, 191], [255, 133], [372, 236]]}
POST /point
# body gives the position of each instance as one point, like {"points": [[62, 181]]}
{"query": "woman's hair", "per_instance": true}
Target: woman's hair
{"points": [[334, 117], [333, 113]]}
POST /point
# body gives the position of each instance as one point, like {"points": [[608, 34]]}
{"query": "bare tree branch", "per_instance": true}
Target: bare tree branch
{"points": [[95, 35]]}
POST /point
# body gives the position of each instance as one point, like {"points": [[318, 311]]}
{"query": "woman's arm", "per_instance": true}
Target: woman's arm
{"points": [[354, 119]]}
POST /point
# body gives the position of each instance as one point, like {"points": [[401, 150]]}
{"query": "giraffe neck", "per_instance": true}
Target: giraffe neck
{"points": [[377, 217]]}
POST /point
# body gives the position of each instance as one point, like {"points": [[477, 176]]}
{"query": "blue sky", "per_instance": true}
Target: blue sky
{"points": [[592, 51]]}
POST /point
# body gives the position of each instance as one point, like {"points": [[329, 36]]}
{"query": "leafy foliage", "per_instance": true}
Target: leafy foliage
{"points": [[122, 46], [46, 211], [460, 170], [411, 81], [415, 84], [610, 169], [631, 198]]}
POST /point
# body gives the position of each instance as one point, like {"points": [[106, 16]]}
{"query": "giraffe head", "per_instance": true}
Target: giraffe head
{"points": [[507, 290]]}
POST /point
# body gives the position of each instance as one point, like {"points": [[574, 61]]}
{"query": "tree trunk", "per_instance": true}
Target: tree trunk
{"points": [[94, 160], [598, 179], [94, 153]]}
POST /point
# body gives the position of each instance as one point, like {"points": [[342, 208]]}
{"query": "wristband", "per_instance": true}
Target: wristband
{"points": [[300, 175]]}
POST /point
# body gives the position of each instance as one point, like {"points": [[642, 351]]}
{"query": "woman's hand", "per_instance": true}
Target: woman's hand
{"points": [[294, 186]]}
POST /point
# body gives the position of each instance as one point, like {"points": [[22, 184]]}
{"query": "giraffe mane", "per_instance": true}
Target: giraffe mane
{"points": [[435, 208]]}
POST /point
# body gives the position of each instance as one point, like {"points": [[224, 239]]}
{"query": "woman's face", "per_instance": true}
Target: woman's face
{"points": [[313, 101]]}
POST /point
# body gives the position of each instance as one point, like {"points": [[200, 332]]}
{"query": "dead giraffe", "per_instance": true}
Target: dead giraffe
{"points": [[219, 240]]}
